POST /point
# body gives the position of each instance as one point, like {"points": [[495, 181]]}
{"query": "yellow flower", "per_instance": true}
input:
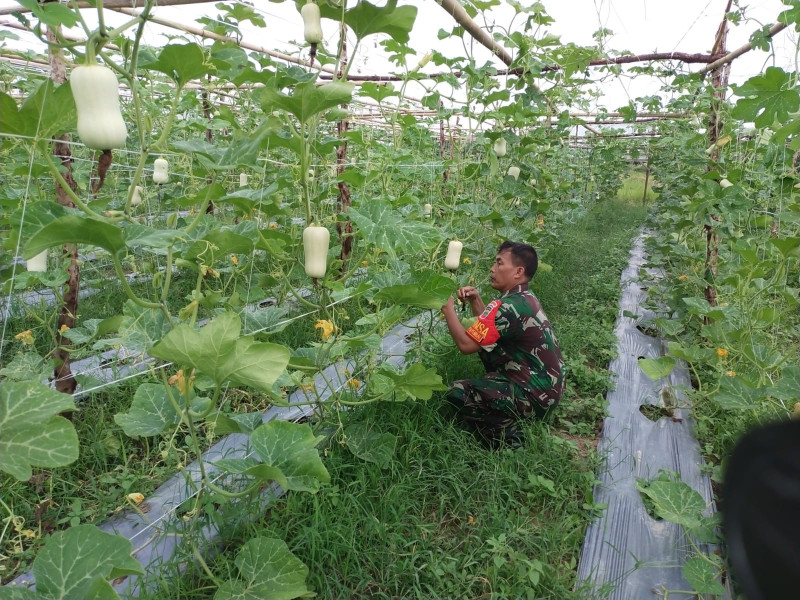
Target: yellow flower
{"points": [[179, 381], [353, 384], [683, 278], [466, 260], [471, 520], [64, 327], [731, 373], [540, 221], [327, 328], [213, 272], [26, 337], [364, 263], [722, 353], [29, 533], [136, 498], [307, 387], [235, 260], [273, 225]]}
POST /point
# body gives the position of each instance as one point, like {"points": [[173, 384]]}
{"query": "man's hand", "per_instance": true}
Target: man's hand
{"points": [[467, 293], [471, 295], [449, 306]]}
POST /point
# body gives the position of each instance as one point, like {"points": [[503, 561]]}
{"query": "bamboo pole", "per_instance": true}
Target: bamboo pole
{"points": [[110, 4], [727, 58], [462, 18]]}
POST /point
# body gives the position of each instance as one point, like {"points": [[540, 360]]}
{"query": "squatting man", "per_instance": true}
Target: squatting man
{"points": [[515, 341]]}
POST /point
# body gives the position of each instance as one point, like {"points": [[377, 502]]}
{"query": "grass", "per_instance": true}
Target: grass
{"points": [[632, 189], [448, 518]]}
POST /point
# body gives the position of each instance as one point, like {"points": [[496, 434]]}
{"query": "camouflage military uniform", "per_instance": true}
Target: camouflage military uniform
{"points": [[525, 370]]}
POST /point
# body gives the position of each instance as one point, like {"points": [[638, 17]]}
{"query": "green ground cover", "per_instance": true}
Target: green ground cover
{"points": [[448, 518]]}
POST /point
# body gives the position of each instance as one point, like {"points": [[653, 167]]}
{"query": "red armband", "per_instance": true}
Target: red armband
{"points": [[484, 331]]}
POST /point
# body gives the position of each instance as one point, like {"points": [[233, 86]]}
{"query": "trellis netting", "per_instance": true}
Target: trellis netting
{"points": [[180, 297]]}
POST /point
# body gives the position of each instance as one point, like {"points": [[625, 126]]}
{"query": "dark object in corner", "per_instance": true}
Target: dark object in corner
{"points": [[762, 512]]}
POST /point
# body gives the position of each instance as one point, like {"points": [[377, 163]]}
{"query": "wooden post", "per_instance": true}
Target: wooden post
{"points": [[719, 81], [646, 179], [64, 380], [343, 229], [209, 136]]}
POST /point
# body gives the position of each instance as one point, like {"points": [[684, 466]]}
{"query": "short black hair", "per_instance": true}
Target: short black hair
{"points": [[522, 255]]}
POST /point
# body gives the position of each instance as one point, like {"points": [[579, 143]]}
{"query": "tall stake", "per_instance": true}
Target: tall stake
{"points": [[65, 381], [719, 82], [209, 136], [344, 229]]}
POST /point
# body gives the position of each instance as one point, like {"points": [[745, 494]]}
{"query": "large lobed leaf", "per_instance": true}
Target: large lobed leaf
{"points": [[217, 350], [79, 562], [32, 434], [292, 448], [308, 99], [388, 229], [268, 570]]}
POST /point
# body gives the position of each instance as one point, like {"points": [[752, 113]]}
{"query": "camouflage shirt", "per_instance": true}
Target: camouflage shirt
{"points": [[519, 342]]}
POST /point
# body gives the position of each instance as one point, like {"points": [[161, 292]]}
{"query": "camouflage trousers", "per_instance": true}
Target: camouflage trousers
{"points": [[492, 405]]}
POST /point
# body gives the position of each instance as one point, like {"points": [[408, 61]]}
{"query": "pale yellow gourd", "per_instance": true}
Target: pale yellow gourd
{"points": [[427, 210], [513, 172], [315, 247], [160, 171], [725, 183], [312, 26], [243, 179], [500, 146], [136, 199], [96, 93], [38, 263], [453, 258]]}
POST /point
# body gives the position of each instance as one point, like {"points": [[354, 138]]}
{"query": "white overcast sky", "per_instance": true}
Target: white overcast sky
{"points": [[639, 26]]}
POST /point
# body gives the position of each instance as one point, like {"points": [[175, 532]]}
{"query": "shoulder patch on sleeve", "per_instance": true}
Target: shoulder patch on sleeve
{"points": [[484, 330]]}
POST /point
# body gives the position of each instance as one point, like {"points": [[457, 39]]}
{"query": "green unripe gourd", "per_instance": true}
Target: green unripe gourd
{"points": [[96, 93]]}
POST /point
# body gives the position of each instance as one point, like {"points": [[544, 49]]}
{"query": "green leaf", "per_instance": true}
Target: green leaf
{"points": [[691, 354], [767, 98], [217, 350], [670, 327], [786, 246], [308, 99], [291, 447], [141, 236], [370, 445], [51, 14], [150, 412], [27, 366], [735, 394], [656, 368], [388, 229], [268, 570], [365, 19], [140, 328], [416, 382], [72, 561], [48, 111], [703, 576], [31, 432], [181, 63], [74, 229], [674, 501]]}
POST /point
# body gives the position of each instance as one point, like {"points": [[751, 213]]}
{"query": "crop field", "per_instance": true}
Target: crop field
{"points": [[224, 360]]}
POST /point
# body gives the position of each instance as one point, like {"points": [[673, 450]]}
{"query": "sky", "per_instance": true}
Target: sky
{"points": [[639, 26]]}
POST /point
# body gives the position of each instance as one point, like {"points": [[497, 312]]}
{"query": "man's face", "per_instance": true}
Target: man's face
{"points": [[504, 275]]}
